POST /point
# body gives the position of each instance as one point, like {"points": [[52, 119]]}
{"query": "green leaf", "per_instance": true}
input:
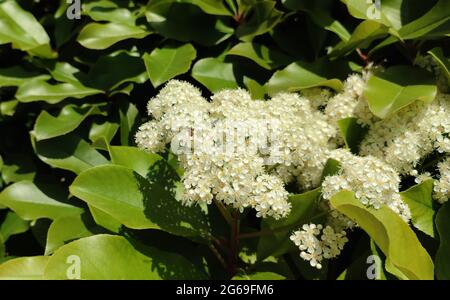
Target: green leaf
{"points": [[64, 230], [260, 54], [21, 28], [24, 268], [186, 22], [331, 168], [129, 116], [370, 11], [212, 7], [31, 202], [138, 202], [256, 90], [105, 10], [405, 256], [40, 90], [67, 120], [428, 23], [442, 259], [102, 131], [101, 36], [13, 224], [259, 276], [133, 158], [17, 167], [214, 74], [260, 18], [165, 63], [113, 257], [113, 70], [352, 133], [366, 32], [319, 12], [64, 72], [433, 23], [2, 250], [392, 13], [17, 75], [397, 87], [420, 204], [443, 62], [303, 208], [8, 108], [68, 152], [104, 220], [303, 75]]}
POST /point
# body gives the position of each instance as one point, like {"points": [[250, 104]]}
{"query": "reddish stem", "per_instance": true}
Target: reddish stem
{"points": [[234, 244]]}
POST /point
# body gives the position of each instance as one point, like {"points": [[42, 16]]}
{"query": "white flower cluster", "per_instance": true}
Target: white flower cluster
{"points": [[442, 186], [237, 150], [374, 182], [314, 248], [242, 152], [427, 62], [350, 102], [405, 138]]}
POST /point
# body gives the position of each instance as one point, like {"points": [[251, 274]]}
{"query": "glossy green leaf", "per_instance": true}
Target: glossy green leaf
{"points": [[259, 18], [32, 202], [104, 220], [115, 69], [13, 224], [303, 208], [24, 268], [139, 202], [129, 117], [256, 90], [420, 203], [17, 167], [134, 158], [102, 131], [433, 23], [40, 90], [20, 27], [64, 230], [214, 74], [331, 168], [2, 250], [442, 259], [8, 108], [392, 13], [68, 119], [170, 17], [260, 54], [105, 10], [397, 87], [366, 32], [405, 255], [352, 132], [319, 12], [165, 63], [213, 7], [64, 72], [68, 152], [17, 75], [443, 62], [101, 36], [303, 75], [113, 257], [371, 11]]}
